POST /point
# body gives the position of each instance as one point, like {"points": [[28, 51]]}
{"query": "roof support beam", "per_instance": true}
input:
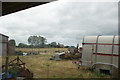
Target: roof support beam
{"points": [[27, 0], [11, 7]]}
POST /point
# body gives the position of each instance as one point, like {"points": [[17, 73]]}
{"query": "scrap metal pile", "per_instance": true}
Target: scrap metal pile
{"points": [[15, 69], [71, 53]]}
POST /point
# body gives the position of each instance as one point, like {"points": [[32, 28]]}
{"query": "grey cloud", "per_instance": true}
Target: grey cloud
{"points": [[63, 22]]}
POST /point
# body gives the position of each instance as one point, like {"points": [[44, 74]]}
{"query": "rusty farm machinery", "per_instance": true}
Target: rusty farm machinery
{"points": [[15, 69]]}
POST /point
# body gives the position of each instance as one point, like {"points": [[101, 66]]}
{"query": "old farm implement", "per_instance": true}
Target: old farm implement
{"points": [[15, 69], [71, 53]]}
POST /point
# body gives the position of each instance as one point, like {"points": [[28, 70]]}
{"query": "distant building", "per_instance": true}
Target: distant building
{"points": [[3, 44], [11, 47]]}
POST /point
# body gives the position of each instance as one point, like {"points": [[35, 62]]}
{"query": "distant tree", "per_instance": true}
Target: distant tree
{"points": [[37, 41], [53, 44], [22, 45], [47, 46], [61, 46], [30, 46], [43, 41], [72, 47], [66, 46]]}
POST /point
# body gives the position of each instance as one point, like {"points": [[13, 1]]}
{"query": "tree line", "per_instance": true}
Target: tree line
{"points": [[40, 42]]}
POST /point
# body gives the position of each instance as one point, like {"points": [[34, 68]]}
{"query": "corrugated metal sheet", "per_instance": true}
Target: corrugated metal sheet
{"points": [[89, 39], [105, 39], [3, 45], [101, 49]]}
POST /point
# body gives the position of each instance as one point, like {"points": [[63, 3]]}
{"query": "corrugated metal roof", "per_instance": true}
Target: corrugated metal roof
{"points": [[4, 35]]}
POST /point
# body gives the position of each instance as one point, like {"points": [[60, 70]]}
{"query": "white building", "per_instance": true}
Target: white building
{"points": [[101, 53], [3, 44]]}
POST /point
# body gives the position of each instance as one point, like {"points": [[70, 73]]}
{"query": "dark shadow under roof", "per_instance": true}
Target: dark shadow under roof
{"points": [[11, 7]]}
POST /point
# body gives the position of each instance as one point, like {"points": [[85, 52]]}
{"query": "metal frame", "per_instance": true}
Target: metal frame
{"points": [[93, 66], [96, 47]]}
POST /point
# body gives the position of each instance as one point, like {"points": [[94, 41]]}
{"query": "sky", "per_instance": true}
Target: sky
{"points": [[65, 22]]}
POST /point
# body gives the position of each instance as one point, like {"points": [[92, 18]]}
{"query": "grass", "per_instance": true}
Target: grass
{"points": [[41, 50], [42, 67]]}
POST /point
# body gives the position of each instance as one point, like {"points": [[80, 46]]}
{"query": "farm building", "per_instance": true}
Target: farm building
{"points": [[101, 53], [11, 47], [6, 46], [3, 44]]}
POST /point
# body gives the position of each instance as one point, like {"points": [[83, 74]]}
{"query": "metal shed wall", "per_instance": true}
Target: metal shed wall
{"points": [[101, 50], [3, 45]]}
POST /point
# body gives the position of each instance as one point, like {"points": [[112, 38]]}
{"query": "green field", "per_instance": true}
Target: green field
{"points": [[42, 67]]}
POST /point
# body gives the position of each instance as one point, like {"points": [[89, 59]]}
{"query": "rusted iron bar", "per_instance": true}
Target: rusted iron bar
{"points": [[21, 60], [12, 61], [17, 64]]}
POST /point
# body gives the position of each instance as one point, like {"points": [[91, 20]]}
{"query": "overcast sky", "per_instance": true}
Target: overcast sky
{"points": [[62, 22]]}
